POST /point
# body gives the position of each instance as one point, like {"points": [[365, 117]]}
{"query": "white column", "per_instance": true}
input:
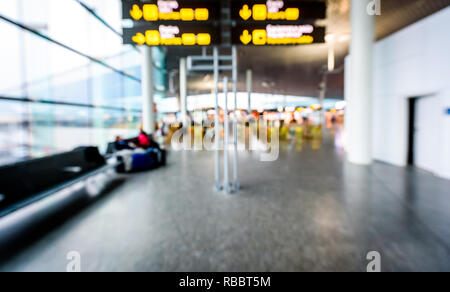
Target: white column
{"points": [[183, 91], [249, 89], [360, 130], [217, 120], [347, 96], [331, 52], [148, 108]]}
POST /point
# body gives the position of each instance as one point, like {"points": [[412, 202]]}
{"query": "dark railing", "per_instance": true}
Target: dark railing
{"points": [[27, 182]]}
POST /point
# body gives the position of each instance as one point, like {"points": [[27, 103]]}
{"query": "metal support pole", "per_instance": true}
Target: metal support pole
{"points": [[236, 185], [249, 90], [183, 92], [226, 161], [331, 54], [148, 107], [217, 120], [322, 95]]}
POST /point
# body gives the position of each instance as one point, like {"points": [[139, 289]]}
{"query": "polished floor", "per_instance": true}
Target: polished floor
{"points": [[308, 211]]}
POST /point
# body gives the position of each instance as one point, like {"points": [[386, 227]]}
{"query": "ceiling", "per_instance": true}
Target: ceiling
{"points": [[296, 70]]}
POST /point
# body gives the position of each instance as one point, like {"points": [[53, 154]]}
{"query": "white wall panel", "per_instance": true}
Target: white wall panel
{"points": [[411, 63]]}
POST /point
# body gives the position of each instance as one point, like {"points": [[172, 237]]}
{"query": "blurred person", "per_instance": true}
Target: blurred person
{"points": [[284, 131], [146, 141], [333, 120], [161, 132], [299, 131], [121, 144], [307, 127], [317, 132], [247, 135]]}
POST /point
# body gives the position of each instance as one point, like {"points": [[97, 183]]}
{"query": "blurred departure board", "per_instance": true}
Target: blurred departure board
{"points": [[277, 10], [277, 35], [172, 35], [201, 22], [172, 22], [171, 10]]}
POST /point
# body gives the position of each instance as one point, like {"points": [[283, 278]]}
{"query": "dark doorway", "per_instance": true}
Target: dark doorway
{"points": [[411, 129]]}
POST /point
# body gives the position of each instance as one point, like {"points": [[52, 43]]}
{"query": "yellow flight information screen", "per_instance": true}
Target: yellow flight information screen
{"points": [[201, 22], [172, 35], [277, 35], [171, 10], [277, 22], [277, 10]]}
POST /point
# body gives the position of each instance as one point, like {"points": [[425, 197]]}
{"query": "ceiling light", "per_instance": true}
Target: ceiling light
{"points": [[344, 38], [330, 38]]}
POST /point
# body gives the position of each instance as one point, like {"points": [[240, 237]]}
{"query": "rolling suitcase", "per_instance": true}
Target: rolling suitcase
{"points": [[143, 161]]}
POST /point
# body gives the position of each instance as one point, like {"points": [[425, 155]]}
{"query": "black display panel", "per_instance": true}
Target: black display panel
{"points": [[172, 35], [277, 35], [277, 10], [171, 10]]}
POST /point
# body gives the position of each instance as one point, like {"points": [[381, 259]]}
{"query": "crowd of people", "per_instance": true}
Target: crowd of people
{"points": [[143, 141], [141, 153]]}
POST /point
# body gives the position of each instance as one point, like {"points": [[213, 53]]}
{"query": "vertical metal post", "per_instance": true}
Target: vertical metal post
{"points": [[183, 92], [331, 53], [236, 185], [226, 172], [217, 119], [148, 108], [249, 90], [322, 95]]}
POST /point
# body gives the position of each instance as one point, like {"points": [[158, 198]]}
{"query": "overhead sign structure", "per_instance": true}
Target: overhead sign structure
{"points": [[277, 35], [200, 22], [172, 22], [277, 22], [172, 35], [277, 10], [171, 10]]}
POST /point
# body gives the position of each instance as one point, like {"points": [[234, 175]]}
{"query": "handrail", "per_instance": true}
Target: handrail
{"points": [[55, 189]]}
